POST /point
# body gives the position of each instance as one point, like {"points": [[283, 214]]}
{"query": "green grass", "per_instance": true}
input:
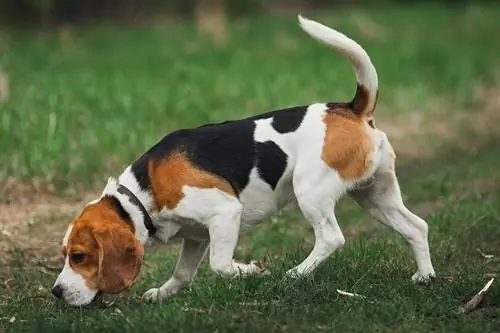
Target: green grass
{"points": [[85, 108], [379, 268], [79, 112]]}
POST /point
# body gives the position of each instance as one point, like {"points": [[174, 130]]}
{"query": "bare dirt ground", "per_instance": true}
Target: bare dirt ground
{"points": [[36, 224], [33, 219]]}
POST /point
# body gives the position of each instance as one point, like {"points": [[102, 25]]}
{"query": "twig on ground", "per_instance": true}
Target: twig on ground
{"points": [[4, 86], [484, 255], [108, 302], [476, 300], [12, 320], [195, 310], [48, 267], [120, 313], [6, 233], [7, 282], [345, 293]]}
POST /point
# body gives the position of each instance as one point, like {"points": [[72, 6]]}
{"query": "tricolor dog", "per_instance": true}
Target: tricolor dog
{"points": [[205, 184]]}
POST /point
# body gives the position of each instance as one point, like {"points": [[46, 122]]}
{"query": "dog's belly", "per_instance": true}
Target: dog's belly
{"points": [[260, 201]]}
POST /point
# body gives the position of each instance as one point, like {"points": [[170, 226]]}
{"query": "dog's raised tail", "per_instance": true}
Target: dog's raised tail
{"points": [[365, 100]]}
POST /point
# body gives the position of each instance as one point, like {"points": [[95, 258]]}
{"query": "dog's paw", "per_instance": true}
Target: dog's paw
{"points": [[295, 273], [253, 268], [152, 295], [258, 267], [157, 294], [422, 278]]}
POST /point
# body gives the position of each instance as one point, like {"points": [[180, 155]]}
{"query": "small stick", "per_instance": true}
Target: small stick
{"points": [[4, 86], [48, 267], [484, 255], [345, 293], [476, 299], [108, 303], [120, 313]]}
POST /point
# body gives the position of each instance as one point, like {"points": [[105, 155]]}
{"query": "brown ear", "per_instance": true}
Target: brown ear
{"points": [[120, 259]]}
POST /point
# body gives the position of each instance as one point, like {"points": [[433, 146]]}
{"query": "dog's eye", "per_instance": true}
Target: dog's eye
{"points": [[77, 257]]}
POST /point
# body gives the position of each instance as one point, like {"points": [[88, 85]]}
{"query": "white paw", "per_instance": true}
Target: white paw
{"points": [[152, 295], [294, 273], [422, 278], [157, 294]]}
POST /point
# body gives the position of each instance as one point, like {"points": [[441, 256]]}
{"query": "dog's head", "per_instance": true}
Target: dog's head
{"points": [[101, 254]]}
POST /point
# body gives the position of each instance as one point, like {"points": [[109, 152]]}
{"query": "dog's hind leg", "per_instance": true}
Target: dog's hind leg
{"points": [[382, 199], [316, 196]]}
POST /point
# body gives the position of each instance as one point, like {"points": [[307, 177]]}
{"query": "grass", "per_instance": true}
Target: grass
{"points": [[378, 268], [84, 108], [86, 105]]}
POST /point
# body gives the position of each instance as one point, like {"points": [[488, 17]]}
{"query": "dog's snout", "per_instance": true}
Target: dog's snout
{"points": [[57, 291]]}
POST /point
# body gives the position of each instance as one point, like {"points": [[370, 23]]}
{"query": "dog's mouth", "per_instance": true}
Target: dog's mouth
{"points": [[95, 300]]}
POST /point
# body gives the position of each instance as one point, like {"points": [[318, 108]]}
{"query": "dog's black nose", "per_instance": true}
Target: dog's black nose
{"points": [[57, 291]]}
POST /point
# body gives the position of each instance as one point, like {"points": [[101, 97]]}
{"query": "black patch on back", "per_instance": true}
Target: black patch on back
{"points": [[288, 120], [140, 170], [117, 206], [271, 162], [226, 149]]}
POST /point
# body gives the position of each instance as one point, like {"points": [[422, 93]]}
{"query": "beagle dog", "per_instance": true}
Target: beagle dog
{"points": [[204, 184]]}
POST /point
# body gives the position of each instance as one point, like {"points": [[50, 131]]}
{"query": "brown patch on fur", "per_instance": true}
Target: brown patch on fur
{"points": [[81, 240], [169, 176], [120, 259], [113, 255], [347, 146]]}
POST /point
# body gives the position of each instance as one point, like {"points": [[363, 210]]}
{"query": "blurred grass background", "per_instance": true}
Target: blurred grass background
{"points": [[84, 101], [87, 86]]}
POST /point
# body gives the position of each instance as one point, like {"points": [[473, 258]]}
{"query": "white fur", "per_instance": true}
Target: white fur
{"points": [[128, 180], [75, 289], [258, 200], [66, 235], [141, 232], [264, 131], [365, 71]]}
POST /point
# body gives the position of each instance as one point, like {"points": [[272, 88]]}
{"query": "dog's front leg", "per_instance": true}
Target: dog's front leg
{"points": [[190, 257], [224, 229]]}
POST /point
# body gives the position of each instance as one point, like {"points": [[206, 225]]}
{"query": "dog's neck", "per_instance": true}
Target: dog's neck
{"points": [[135, 201]]}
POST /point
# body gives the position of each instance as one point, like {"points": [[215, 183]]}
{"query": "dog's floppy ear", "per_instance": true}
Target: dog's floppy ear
{"points": [[120, 259]]}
